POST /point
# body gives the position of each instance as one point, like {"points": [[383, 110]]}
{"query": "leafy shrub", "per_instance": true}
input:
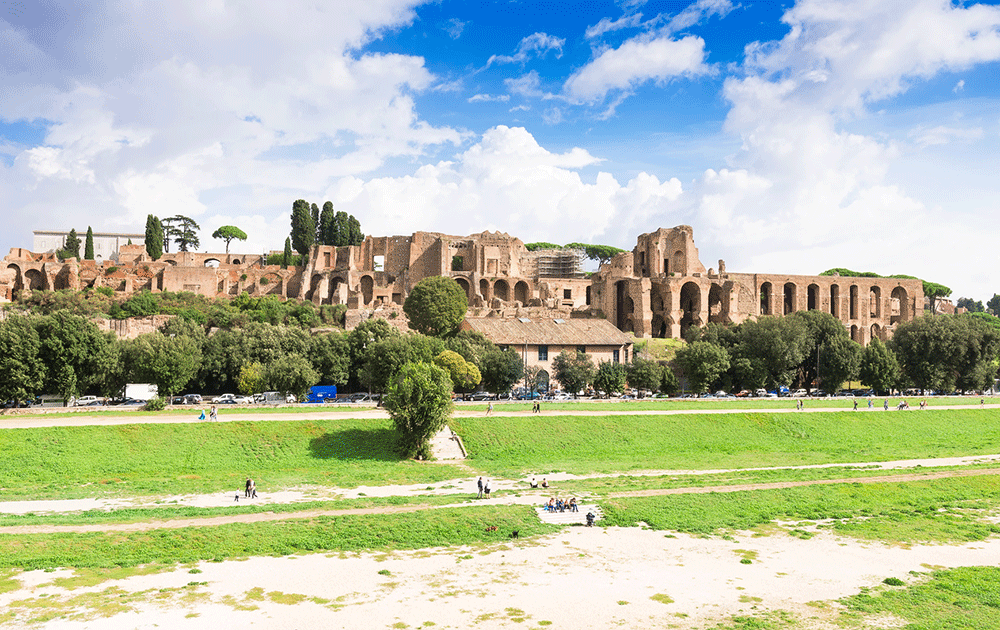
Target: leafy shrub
{"points": [[893, 581], [264, 281], [155, 404], [110, 271]]}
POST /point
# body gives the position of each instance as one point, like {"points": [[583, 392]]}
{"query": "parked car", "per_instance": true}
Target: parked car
{"points": [[126, 402], [192, 399], [799, 393], [479, 396], [88, 401], [243, 400], [224, 399]]}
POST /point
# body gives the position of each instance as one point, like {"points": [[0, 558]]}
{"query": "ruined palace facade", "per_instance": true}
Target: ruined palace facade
{"points": [[659, 289]]}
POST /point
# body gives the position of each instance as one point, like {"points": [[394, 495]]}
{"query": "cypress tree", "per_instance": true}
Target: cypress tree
{"points": [[154, 237], [326, 224], [303, 227], [88, 247], [287, 258], [72, 247]]}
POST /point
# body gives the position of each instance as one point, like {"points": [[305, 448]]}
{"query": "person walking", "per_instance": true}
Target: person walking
{"points": [[253, 489], [486, 488], [479, 484], [489, 409], [885, 405], [855, 405], [246, 490], [213, 414]]}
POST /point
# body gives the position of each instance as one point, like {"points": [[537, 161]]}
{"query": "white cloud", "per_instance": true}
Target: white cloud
{"points": [[607, 25], [943, 135], [536, 44], [528, 85], [153, 106], [959, 86], [507, 181], [638, 60], [485, 98], [454, 27]]}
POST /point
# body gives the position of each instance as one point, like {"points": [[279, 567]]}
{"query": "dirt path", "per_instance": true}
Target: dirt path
{"points": [[520, 499]]}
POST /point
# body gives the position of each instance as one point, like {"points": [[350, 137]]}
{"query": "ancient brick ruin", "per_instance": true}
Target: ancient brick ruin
{"points": [[659, 289]]}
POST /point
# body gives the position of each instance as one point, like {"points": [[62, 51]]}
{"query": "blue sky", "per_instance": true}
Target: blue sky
{"points": [[792, 136]]}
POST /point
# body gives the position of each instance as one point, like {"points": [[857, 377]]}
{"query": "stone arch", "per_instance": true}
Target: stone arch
{"points": [[690, 306], [657, 301], [766, 299], [236, 261], [521, 292], [334, 290], [501, 290], [314, 286], [462, 282], [61, 280], [835, 300], [878, 332], [791, 291], [899, 295], [588, 295], [543, 381], [660, 326], [812, 297], [34, 280], [624, 306], [172, 263], [853, 307], [18, 281], [855, 333], [717, 311], [367, 289], [213, 263], [875, 302], [484, 289]]}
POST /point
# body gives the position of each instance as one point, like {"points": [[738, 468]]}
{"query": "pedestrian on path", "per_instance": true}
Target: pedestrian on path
{"points": [[855, 405], [489, 409], [479, 483], [249, 485], [486, 488], [885, 405]]}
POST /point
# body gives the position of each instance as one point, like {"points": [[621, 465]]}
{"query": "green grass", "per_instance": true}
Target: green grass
{"points": [[939, 510], [966, 597], [584, 444], [352, 533], [164, 459]]}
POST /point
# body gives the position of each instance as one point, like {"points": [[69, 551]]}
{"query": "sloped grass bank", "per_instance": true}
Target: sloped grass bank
{"points": [[368, 532], [585, 444], [965, 597], [164, 459], [939, 510]]}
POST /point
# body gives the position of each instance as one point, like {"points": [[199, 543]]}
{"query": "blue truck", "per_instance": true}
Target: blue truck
{"points": [[320, 393]]}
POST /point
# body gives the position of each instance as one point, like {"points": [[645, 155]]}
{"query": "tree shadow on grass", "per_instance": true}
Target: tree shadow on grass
{"points": [[357, 444]]}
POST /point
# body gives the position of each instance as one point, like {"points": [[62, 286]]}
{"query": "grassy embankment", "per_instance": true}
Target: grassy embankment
{"points": [[131, 460]]}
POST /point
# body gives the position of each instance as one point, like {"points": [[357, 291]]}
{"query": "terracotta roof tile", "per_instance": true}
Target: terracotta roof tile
{"points": [[568, 332]]}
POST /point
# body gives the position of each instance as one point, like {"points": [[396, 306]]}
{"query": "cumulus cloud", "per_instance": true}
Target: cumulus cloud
{"points": [[485, 98], [607, 25], [454, 27], [155, 107], [507, 181], [636, 61], [536, 44]]}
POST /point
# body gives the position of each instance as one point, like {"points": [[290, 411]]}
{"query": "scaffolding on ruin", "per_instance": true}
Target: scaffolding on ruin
{"points": [[559, 263]]}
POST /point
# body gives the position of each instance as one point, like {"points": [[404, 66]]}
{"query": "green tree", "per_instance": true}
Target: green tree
{"points": [[22, 372], [821, 330], [879, 368], [330, 355], [669, 385], [314, 215], [384, 358], [644, 374], [362, 337], [252, 379], [74, 342], [772, 348], [840, 360], [935, 291], [419, 402], [229, 233], [973, 306], [534, 247], [325, 230], [574, 371], [993, 305], [436, 306], [292, 374], [354, 234], [154, 237], [183, 231], [286, 258], [464, 374], [703, 363], [610, 377], [72, 245], [88, 247], [926, 348], [501, 370], [303, 228], [169, 362]]}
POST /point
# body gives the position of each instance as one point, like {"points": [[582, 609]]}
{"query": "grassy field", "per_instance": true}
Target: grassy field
{"points": [[164, 459], [939, 510], [436, 528], [582, 444]]}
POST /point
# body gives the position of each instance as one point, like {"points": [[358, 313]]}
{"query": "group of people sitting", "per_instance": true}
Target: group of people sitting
{"points": [[561, 505]]}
